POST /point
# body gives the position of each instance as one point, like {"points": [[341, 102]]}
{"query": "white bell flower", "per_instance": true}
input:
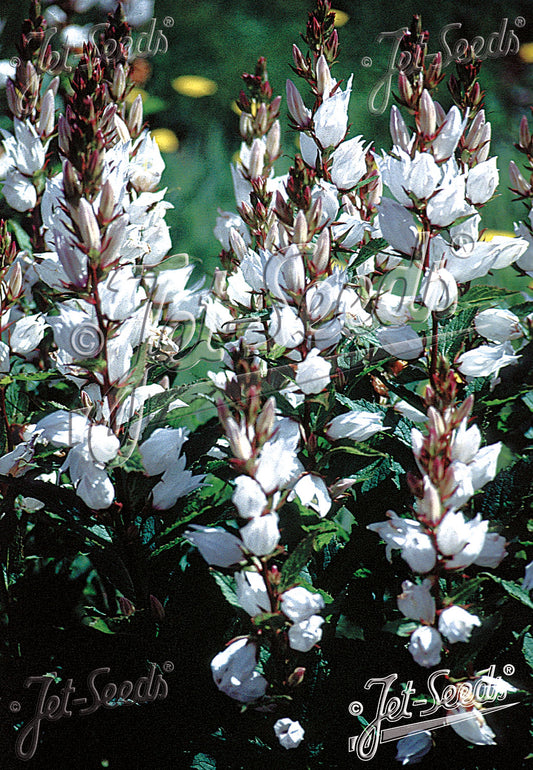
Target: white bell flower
{"points": [[299, 603], [487, 360], [456, 624], [416, 601], [261, 535], [304, 635], [473, 729], [313, 374], [218, 547], [290, 734], [482, 181], [252, 593], [498, 325], [248, 497], [355, 425], [425, 646]]}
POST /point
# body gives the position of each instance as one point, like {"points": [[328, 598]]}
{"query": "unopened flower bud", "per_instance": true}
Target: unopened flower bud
{"points": [[119, 83], [86, 400], [484, 143], [90, 232], [135, 118], [297, 108], [464, 410], [300, 233], [240, 446], [157, 608], [237, 244], [296, 677], [436, 422], [219, 283], [15, 280], [474, 135], [315, 211], [274, 106], [525, 136], [45, 125], [434, 70], [406, 91], [257, 156], [245, 126], [517, 180], [298, 58], [121, 129], [427, 115], [114, 238], [71, 184], [398, 129], [13, 101], [340, 487], [429, 508], [64, 134], [54, 85], [324, 81], [261, 118], [265, 422], [322, 251], [107, 202], [273, 141], [127, 607], [439, 112]]}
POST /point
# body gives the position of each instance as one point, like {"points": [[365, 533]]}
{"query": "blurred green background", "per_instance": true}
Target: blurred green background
{"points": [[218, 40]]}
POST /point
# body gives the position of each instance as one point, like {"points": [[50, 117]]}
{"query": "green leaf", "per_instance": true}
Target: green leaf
{"points": [[23, 239], [348, 629], [227, 585], [478, 296], [513, 590], [297, 561], [401, 627], [203, 762], [99, 624], [527, 649], [370, 249], [467, 589]]}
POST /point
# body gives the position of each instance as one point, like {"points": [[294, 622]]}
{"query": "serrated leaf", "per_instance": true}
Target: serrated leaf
{"points": [[527, 649], [227, 585], [467, 589], [513, 590], [477, 296], [297, 561]]}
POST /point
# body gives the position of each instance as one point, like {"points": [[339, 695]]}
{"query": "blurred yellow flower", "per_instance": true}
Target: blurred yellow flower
{"points": [[194, 85], [134, 93], [488, 235], [340, 17], [526, 53], [167, 141]]}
